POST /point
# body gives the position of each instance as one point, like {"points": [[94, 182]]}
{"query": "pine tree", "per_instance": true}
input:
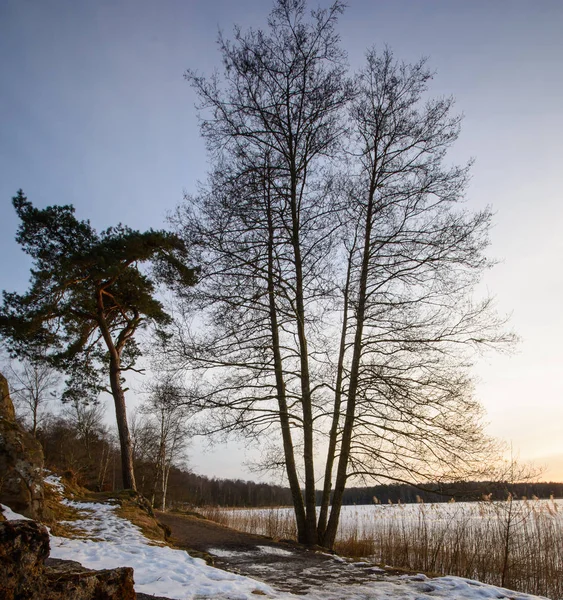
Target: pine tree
{"points": [[87, 299]]}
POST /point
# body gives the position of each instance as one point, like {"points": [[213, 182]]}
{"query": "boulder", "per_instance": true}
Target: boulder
{"points": [[24, 546], [27, 574], [21, 462], [69, 579]]}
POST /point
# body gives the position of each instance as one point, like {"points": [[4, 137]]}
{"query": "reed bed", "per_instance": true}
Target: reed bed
{"points": [[277, 523], [513, 544]]}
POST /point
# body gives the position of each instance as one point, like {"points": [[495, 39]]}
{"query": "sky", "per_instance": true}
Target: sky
{"points": [[95, 112]]}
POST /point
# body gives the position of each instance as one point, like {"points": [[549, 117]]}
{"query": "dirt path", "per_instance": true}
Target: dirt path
{"points": [[285, 566]]}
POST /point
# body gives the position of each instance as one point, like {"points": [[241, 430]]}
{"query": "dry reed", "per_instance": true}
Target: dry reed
{"points": [[513, 544], [277, 523]]}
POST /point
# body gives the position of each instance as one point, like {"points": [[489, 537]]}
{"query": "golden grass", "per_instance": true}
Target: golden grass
{"points": [[130, 506], [353, 546], [276, 523], [518, 545]]}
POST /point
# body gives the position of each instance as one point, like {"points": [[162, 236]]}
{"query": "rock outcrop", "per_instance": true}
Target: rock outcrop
{"points": [[24, 546], [27, 574], [21, 462]]}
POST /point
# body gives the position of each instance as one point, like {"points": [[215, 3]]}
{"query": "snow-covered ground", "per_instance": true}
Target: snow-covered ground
{"points": [[163, 571], [159, 570]]}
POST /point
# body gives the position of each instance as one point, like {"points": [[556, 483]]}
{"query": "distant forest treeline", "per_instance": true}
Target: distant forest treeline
{"points": [[77, 443], [459, 491], [200, 490]]}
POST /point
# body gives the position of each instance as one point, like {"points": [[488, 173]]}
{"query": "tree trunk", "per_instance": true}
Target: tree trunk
{"points": [[306, 400], [333, 435], [165, 477], [342, 471], [122, 426], [289, 454], [162, 464], [34, 421], [36, 400], [114, 351], [104, 463]]}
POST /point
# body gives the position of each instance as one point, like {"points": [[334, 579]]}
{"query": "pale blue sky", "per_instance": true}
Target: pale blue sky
{"points": [[95, 112]]}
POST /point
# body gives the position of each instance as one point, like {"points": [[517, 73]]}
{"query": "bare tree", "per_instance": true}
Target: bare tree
{"points": [[33, 386], [278, 124], [143, 441], [168, 410], [88, 422], [410, 327], [160, 435], [337, 266]]}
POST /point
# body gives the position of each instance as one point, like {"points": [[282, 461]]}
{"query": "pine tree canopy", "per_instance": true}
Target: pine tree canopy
{"points": [[86, 290]]}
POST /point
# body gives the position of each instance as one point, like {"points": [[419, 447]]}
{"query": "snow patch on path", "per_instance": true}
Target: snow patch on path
{"points": [[222, 553], [276, 551], [158, 569]]}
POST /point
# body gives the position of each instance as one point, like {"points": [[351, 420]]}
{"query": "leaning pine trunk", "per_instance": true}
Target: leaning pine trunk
{"points": [[114, 351], [122, 427]]}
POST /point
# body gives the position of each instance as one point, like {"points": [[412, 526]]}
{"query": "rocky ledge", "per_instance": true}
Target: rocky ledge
{"points": [[27, 573]]}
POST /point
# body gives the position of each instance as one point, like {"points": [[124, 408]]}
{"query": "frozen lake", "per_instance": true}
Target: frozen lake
{"points": [[516, 544]]}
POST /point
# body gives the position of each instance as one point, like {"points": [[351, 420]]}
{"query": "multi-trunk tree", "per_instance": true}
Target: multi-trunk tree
{"points": [[88, 298], [337, 267], [274, 126]]}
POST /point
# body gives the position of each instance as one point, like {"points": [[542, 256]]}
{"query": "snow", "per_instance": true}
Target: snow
{"points": [[158, 569], [163, 571], [276, 551], [261, 549], [11, 515], [55, 481]]}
